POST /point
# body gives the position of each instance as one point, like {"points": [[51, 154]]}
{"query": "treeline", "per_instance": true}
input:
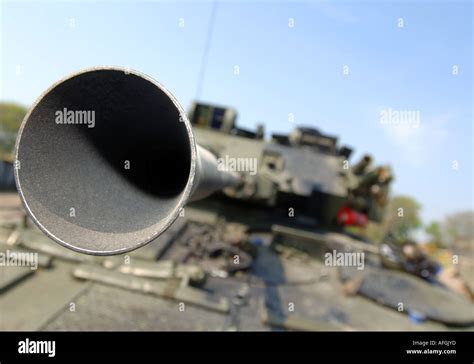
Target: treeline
{"points": [[11, 116], [403, 220]]}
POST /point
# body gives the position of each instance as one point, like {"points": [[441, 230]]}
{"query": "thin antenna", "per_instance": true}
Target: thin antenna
{"points": [[202, 71]]}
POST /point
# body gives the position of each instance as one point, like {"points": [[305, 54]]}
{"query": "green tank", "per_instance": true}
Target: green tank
{"points": [[305, 174], [250, 238]]}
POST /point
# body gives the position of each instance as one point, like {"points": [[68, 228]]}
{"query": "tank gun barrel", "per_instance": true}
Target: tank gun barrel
{"points": [[361, 166], [106, 161]]}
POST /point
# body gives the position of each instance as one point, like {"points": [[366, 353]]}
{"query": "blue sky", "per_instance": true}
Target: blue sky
{"points": [[283, 70]]}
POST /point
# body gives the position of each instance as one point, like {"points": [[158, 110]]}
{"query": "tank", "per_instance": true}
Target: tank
{"points": [[305, 174], [212, 227]]}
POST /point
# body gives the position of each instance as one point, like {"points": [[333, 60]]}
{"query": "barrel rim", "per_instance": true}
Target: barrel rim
{"points": [[170, 219]]}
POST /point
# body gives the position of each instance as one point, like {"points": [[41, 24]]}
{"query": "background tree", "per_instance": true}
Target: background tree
{"points": [[11, 116], [458, 230], [455, 232], [402, 218], [435, 233]]}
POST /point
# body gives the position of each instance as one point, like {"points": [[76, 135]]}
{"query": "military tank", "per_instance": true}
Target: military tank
{"points": [[153, 219], [304, 174]]}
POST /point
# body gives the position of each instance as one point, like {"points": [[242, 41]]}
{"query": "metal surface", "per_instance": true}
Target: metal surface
{"points": [[116, 170], [435, 302]]}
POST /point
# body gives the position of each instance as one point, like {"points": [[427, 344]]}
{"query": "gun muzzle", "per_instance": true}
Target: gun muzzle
{"points": [[106, 160]]}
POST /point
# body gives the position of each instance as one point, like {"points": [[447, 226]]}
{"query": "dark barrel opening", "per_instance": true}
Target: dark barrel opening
{"points": [[104, 150]]}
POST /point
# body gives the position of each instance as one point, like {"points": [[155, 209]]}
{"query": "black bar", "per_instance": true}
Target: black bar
{"points": [[393, 345]]}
